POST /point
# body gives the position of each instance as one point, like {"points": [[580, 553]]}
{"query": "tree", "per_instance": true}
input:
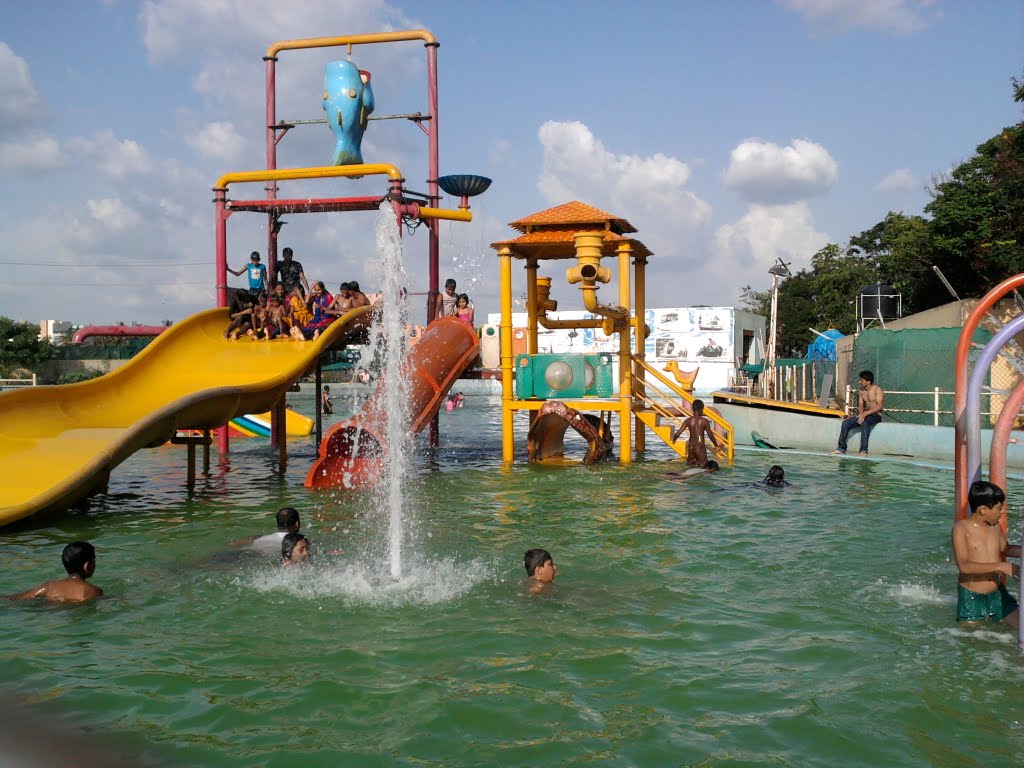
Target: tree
{"points": [[900, 246], [20, 346]]}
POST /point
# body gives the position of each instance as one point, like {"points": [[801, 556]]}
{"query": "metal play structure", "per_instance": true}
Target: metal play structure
{"points": [[969, 384], [589, 390], [347, 102]]}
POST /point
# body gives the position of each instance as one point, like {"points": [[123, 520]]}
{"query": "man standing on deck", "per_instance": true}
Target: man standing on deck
{"points": [[869, 413], [289, 273]]}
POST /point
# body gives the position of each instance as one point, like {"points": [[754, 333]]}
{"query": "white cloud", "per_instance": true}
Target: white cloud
{"points": [[649, 191], [217, 141], [20, 105], [898, 181], [117, 158], [30, 154], [112, 213], [765, 233], [897, 17], [765, 173]]}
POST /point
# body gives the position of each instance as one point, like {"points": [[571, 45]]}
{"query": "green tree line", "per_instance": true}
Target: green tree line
{"points": [[972, 230]]}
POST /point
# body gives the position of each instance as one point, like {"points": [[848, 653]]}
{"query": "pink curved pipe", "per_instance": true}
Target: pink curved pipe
{"points": [[86, 331], [1001, 439], [960, 407]]}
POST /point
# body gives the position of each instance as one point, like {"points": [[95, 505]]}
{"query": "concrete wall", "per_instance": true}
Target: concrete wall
{"points": [[51, 370]]}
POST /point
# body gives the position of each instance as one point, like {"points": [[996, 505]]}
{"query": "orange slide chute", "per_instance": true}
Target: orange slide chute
{"points": [[350, 453]]}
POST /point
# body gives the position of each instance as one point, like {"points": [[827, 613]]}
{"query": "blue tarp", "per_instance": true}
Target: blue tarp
{"points": [[824, 348]]}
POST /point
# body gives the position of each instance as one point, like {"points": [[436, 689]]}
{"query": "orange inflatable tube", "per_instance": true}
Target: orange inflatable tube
{"points": [[351, 451]]}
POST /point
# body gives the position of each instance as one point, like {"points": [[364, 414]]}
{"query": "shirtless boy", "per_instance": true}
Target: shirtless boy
{"points": [[698, 426], [979, 546], [540, 569], [80, 562], [869, 414]]}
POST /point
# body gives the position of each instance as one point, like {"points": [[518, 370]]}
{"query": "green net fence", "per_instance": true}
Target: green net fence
{"points": [[911, 364], [108, 349]]}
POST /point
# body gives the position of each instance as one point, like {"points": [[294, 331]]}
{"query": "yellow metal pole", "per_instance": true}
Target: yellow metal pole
{"points": [[449, 214], [531, 306], [508, 447], [316, 172], [329, 42], [639, 289], [625, 363]]}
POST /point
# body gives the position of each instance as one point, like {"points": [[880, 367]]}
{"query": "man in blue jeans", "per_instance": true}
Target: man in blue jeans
{"points": [[869, 414]]}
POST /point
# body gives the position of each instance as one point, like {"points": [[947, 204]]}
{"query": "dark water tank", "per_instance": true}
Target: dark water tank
{"points": [[880, 300]]}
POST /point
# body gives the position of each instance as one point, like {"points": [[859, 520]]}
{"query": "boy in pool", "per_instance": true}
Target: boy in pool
{"points": [[540, 569], [294, 549], [287, 522], [709, 466], [698, 426], [776, 477], [979, 546], [80, 562]]}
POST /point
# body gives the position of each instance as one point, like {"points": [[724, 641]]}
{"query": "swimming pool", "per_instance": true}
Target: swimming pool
{"points": [[690, 626]]}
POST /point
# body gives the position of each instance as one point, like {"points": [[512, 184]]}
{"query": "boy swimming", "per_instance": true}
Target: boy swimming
{"points": [[979, 546], [79, 559], [540, 569], [294, 549], [287, 522]]}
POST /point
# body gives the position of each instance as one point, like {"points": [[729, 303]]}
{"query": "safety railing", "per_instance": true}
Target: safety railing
{"points": [[5, 383], [932, 401], [674, 410]]}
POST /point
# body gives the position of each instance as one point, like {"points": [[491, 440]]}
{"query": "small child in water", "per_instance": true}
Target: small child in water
{"points": [[979, 546], [698, 426], [294, 549], [776, 477], [540, 569], [79, 559]]}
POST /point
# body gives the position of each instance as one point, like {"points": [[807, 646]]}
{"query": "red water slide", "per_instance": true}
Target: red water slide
{"points": [[350, 452]]}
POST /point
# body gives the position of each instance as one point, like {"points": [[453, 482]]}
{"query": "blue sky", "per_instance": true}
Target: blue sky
{"points": [[728, 133]]}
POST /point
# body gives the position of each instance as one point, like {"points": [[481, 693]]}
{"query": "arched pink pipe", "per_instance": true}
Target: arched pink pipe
{"points": [[1001, 439], [86, 331]]}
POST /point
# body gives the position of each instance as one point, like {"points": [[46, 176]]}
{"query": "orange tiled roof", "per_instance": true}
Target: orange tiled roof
{"points": [[573, 213], [559, 243]]}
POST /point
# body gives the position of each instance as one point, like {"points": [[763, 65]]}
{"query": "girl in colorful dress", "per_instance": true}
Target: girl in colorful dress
{"points": [[463, 311]]}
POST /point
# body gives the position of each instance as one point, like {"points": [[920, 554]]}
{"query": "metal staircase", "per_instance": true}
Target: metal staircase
{"points": [[662, 405]]}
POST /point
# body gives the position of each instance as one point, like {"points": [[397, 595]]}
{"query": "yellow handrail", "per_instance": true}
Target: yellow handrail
{"points": [[724, 427]]}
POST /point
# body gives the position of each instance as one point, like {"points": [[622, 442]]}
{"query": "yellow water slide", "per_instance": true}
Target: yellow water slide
{"points": [[59, 444]]}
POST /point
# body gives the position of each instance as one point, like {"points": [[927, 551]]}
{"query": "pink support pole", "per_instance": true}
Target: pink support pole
{"points": [[277, 414], [221, 226], [435, 199]]}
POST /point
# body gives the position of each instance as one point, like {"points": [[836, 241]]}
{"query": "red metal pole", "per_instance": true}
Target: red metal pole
{"points": [[277, 429], [433, 225], [221, 237]]}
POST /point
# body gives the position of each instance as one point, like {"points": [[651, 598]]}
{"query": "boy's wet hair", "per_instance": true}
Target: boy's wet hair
{"points": [[254, 255], [534, 559], [449, 283], [353, 285], [711, 464], [287, 252], [982, 493], [77, 555], [698, 405], [287, 518], [868, 376], [776, 475], [288, 544]]}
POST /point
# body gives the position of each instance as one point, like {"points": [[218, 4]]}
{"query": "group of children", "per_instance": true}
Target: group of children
{"points": [[452, 304], [290, 309], [979, 546]]}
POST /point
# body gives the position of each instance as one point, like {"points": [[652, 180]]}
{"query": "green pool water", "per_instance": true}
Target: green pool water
{"points": [[700, 623]]}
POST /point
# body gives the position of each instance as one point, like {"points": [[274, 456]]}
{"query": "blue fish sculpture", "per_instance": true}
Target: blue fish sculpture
{"points": [[348, 102]]}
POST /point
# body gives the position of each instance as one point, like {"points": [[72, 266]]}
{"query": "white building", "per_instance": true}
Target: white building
{"points": [[718, 340], [55, 331]]}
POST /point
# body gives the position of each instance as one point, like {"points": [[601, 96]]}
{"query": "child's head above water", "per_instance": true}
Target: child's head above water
{"points": [[539, 565], [294, 548], [288, 519], [711, 465], [776, 476], [985, 495], [79, 558]]}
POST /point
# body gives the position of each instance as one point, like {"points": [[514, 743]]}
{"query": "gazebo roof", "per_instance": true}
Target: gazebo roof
{"points": [[549, 234]]}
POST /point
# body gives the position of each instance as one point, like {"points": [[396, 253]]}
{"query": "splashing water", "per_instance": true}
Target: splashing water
{"points": [[388, 339]]}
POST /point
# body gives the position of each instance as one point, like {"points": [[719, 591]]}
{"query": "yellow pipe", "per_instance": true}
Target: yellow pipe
{"points": [[588, 254], [327, 42], [319, 172], [625, 363], [445, 213], [508, 448]]}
